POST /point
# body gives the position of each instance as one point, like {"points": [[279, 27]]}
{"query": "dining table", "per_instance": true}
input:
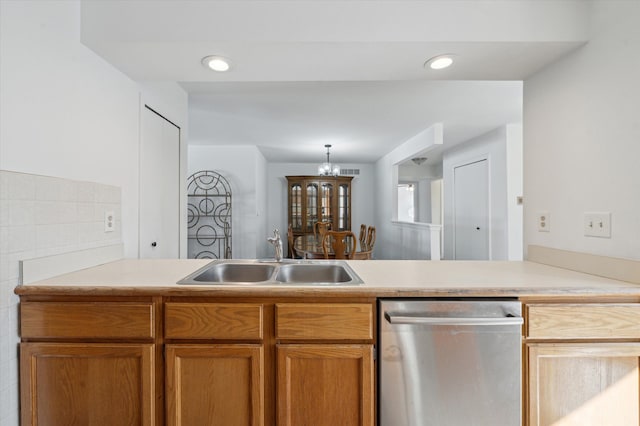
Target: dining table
{"points": [[309, 246]]}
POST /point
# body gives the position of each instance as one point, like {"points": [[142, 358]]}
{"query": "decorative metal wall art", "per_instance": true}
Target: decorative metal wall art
{"points": [[209, 216]]}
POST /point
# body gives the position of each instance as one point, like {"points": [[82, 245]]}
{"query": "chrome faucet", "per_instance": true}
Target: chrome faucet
{"points": [[277, 244]]}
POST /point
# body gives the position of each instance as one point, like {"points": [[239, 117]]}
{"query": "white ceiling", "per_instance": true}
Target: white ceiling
{"points": [[309, 72]]}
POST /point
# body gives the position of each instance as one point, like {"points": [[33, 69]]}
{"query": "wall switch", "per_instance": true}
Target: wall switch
{"points": [[109, 221], [544, 221], [597, 224]]}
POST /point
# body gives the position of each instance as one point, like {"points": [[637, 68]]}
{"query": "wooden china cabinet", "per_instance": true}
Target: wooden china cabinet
{"points": [[319, 199]]}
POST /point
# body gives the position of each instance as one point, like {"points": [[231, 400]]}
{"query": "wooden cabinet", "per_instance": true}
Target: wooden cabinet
{"points": [[329, 383], [88, 363], [329, 377], [314, 199], [87, 384], [583, 364], [215, 384], [189, 361]]}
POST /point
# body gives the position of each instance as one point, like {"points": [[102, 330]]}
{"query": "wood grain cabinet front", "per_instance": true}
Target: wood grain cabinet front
{"points": [[325, 364], [183, 362], [87, 384], [88, 362], [325, 385], [582, 364], [216, 385], [215, 367]]}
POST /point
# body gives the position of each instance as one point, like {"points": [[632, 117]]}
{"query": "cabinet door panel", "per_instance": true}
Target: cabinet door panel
{"points": [[213, 321], [87, 384], [91, 320], [215, 385], [325, 385], [584, 384], [324, 321], [583, 321]]}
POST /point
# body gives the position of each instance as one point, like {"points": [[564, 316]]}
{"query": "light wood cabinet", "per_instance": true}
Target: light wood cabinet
{"points": [[582, 384], [88, 362], [87, 384], [215, 385], [329, 383], [582, 363], [313, 199], [322, 373]]}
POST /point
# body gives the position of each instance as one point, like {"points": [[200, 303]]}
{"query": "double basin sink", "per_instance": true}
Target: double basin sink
{"points": [[257, 272]]}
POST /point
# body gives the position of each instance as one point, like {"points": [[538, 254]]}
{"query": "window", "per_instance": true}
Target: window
{"points": [[407, 202]]}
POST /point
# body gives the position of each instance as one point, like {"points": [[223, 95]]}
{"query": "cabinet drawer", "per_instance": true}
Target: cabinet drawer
{"points": [[89, 320], [233, 321], [324, 321], [583, 321]]}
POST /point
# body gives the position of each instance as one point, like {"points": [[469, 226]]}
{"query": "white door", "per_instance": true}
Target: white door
{"points": [[159, 187], [471, 211]]}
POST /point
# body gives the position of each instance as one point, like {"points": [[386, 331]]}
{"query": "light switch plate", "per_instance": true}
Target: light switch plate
{"points": [[544, 221], [597, 224]]}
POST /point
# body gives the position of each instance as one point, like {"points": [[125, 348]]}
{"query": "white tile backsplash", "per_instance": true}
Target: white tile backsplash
{"points": [[42, 216]]}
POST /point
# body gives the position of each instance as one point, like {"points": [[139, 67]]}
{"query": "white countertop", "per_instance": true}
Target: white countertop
{"points": [[381, 278]]}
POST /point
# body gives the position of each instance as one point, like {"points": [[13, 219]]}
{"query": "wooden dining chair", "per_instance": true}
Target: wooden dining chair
{"points": [[321, 227], [371, 237], [362, 236], [338, 241], [292, 252]]}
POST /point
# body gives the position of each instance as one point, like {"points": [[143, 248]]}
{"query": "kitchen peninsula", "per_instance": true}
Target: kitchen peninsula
{"points": [[164, 353]]}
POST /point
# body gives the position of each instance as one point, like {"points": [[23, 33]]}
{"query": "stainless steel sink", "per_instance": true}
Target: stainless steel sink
{"points": [[236, 273], [258, 272], [313, 273]]}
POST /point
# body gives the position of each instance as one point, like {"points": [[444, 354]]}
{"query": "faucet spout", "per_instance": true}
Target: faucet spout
{"points": [[277, 244]]}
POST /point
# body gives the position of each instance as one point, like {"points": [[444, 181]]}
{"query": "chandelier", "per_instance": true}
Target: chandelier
{"points": [[328, 169]]}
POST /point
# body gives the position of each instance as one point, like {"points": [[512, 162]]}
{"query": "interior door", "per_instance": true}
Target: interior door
{"points": [[159, 187], [471, 211]]}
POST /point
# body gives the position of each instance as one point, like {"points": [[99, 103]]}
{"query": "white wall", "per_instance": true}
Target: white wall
{"points": [[244, 167], [582, 137], [400, 240], [66, 113], [362, 193], [493, 147]]}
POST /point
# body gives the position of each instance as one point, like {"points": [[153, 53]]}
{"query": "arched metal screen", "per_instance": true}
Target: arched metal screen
{"points": [[209, 216]]}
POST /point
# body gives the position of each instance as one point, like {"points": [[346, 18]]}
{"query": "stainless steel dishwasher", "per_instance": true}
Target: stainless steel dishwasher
{"points": [[450, 363]]}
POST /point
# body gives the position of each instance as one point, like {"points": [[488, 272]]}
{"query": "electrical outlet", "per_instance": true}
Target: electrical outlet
{"points": [[544, 221], [109, 221], [597, 224]]}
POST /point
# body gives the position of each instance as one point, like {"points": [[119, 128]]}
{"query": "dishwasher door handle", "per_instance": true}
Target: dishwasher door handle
{"points": [[396, 319]]}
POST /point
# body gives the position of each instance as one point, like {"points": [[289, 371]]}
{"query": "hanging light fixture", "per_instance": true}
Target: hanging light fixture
{"points": [[328, 169]]}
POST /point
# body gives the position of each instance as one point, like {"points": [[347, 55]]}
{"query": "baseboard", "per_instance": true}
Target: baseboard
{"points": [[41, 268], [602, 266]]}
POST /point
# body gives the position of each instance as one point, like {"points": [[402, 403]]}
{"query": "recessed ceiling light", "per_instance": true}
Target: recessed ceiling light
{"points": [[216, 63], [439, 62]]}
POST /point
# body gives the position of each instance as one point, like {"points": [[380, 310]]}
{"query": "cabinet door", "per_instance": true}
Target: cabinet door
{"points": [[584, 384], [344, 207], [296, 212], [215, 385], [325, 385], [87, 384]]}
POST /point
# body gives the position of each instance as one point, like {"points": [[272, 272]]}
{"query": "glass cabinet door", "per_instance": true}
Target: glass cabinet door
{"points": [[326, 202], [295, 206], [312, 206], [344, 207]]}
